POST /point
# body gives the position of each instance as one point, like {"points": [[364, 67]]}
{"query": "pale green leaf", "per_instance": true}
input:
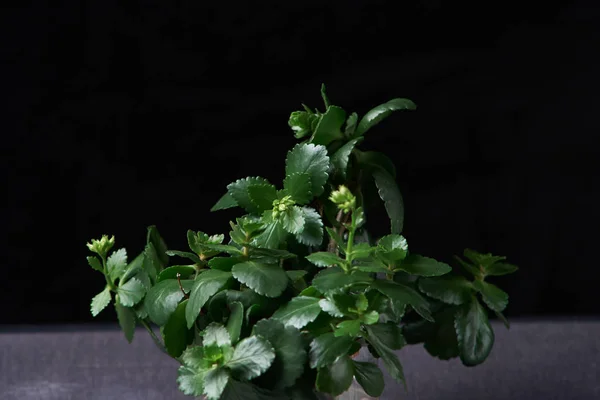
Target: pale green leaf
{"points": [[215, 381], [131, 292], [116, 264], [269, 280], [100, 301], [251, 357]]}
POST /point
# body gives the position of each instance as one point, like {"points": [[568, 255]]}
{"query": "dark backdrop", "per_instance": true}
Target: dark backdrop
{"points": [[120, 115]]}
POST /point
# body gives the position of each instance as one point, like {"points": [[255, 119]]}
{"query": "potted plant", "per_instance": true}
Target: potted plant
{"points": [[280, 308]]}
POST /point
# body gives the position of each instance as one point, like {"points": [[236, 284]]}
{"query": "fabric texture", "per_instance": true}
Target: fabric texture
{"points": [[533, 360]]}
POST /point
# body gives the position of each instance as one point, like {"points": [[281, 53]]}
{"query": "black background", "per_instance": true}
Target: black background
{"points": [[121, 115]]}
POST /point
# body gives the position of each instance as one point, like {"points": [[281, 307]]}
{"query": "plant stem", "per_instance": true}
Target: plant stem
{"points": [[155, 339], [187, 296], [110, 285]]}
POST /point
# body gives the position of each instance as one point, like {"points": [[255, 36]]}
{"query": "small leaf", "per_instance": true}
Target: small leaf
{"points": [[239, 191], [449, 289], [331, 308], [494, 297], [481, 259], [423, 266], [392, 248], [298, 186], [389, 357], [351, 125], [290, 354], [474, 333], [184, 254], [100, 301], [326, 348], [131, 292], [404, 295], [215, 335], [336, 378], [324, 259], [272, 235], [312, 160], [370, 318], [251, 357], [333, 279], [162, 299], [374, 160], [262, 195], [191, 381], [499, 269], [235, 321], [94, 262], [379, 113], [185, 271], [269, 280], [341, 157], [349, 327], [312, 234], [226, 201], [205, 286], [215, 381], [390, 194], [293, 220], [126, 318], [299, 311], [116, 264], [329, 127], [370, 377], [175, 332]]}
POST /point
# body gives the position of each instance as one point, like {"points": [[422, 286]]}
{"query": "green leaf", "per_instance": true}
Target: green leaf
{"points": [[239, 192], [331, 308], [443, 342], [298, 186], [159, 245], [191, 381], [351, 125], [116, 264], [215, 381], [341, 157], [131, 292], [184, 254], [370, 377], [361, 250], [95, 263], [312, 160], [374, 160], [262, 195], [299, 311], [175, 332], [389, 334], [293, 220], [370, 318], [474, 333], [449, 289], [290, 354], [273, 234], [324, 96], [236, 319], [494, 297], [251, 357], [350, 327], [222, 248], [296, 275], [379, 113], [302, 122], [100, 301], [237, 390], [151, 262], [392, 248], [269, 280], [481, 259], [336, 378], [326, 348], [126, 318], [373, 266], [226, 201], [324, 259], [502, 318], [329, 127], [423, 266], [499, 269], [390, 194], [185, 272], [312, 234], [162, 299], [215, 334], [204, 287], [404, 295], [336, 237], [387, 354], [223, 263], [475, 271]]}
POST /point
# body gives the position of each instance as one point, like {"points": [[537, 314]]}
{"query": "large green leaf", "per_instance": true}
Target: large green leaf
{"points": [[392, 199], [299, 311], [404, 295], [392, 248], [293, 220], [388, 333], [374, 160], [205, 286], [131, 292], [474, 333], [100, 301], [116, 264], [226, 201], [341, 157], [290, 354], [162, 299], [333, 279], [251, 357], [324, 259], [443, 342], [262, 195], [312, 234], [215, 381], [448, 289], [498, 269], [235, 321], [423, 266], [326, 348], [329, 127], [176, 334], [349, 327], [494, 297], [269, 280], [387, 354], [312, 160], [126, 318], [298, 186], [184, 254], [379, 113], [239, 192], [223, 263], [370, 377], [336, 378], [184, 271]]}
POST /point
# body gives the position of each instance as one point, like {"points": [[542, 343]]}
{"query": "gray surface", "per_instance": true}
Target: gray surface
{"points": [[534, 360]]}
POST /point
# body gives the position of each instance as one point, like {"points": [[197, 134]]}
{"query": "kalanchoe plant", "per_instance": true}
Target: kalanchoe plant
{"points": [[278, 310]]}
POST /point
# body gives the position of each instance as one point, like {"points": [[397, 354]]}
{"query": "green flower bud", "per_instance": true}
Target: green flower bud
{"points": [[343, 198], [302, 123], [282, 205], [101, 246]]}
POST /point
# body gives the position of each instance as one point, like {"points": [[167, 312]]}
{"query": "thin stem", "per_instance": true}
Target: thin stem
{"points": [[155, 339], [110, 285], [351, 232], [181, 286]]}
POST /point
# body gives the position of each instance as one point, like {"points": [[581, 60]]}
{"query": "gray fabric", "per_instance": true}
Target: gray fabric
{"points": [[534, 360]]}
